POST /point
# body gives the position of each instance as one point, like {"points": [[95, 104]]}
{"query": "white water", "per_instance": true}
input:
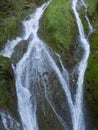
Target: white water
{"points": [[78, 118], [3, 117], [26, 108], [91, 30], [12, 123], [38, 60]]}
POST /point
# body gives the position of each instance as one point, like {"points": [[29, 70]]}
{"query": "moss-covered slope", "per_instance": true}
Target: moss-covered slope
{"points": [[58, 29], [7, 86], [91, 78], [58, 26]]}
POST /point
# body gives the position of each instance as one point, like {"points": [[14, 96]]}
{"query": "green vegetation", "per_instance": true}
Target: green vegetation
{"points": [[11, 14], [7, 85], [58, 26], [91, 79], [92, 6], [6, 76], [58, 29]]}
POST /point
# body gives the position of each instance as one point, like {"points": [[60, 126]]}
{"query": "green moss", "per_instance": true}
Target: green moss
{"points": [[94, 42], [8, 97], [7, 85], [58, 27], [92, 6], [92, 86], [91, 79], [11, 13], [93, 11], [5, 79], [84, 21]]}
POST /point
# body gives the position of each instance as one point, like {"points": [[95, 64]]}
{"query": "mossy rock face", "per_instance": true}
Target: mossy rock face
{"points": [[91, 77], [58, 25], [92, 6], [58, 29], [8, 98]]}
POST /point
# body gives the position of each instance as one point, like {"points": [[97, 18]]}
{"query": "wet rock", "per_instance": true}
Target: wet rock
{"points": [[8, 122], [20, 49], [8, 97]]}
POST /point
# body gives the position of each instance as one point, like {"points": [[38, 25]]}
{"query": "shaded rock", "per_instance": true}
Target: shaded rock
{"points": [[20, 49], [1, 124], [8, 97]]}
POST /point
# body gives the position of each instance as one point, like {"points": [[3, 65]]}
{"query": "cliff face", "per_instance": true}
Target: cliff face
{"points": [[58, 30]]}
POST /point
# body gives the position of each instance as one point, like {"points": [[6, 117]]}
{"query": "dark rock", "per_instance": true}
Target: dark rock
{"points": [[8, 97]]}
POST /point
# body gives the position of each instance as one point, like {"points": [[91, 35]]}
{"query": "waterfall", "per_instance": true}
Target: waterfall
{"points": [[26, 108], [35, 62], [78, 120]]}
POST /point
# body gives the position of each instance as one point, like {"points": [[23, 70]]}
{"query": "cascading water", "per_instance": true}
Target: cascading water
{"points": [[78, 120], [12, 123], [36, 61], [26, 109]]}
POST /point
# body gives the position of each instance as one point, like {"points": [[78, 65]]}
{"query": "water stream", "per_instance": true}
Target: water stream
{"points": [[78, 119], [36, 61]]}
